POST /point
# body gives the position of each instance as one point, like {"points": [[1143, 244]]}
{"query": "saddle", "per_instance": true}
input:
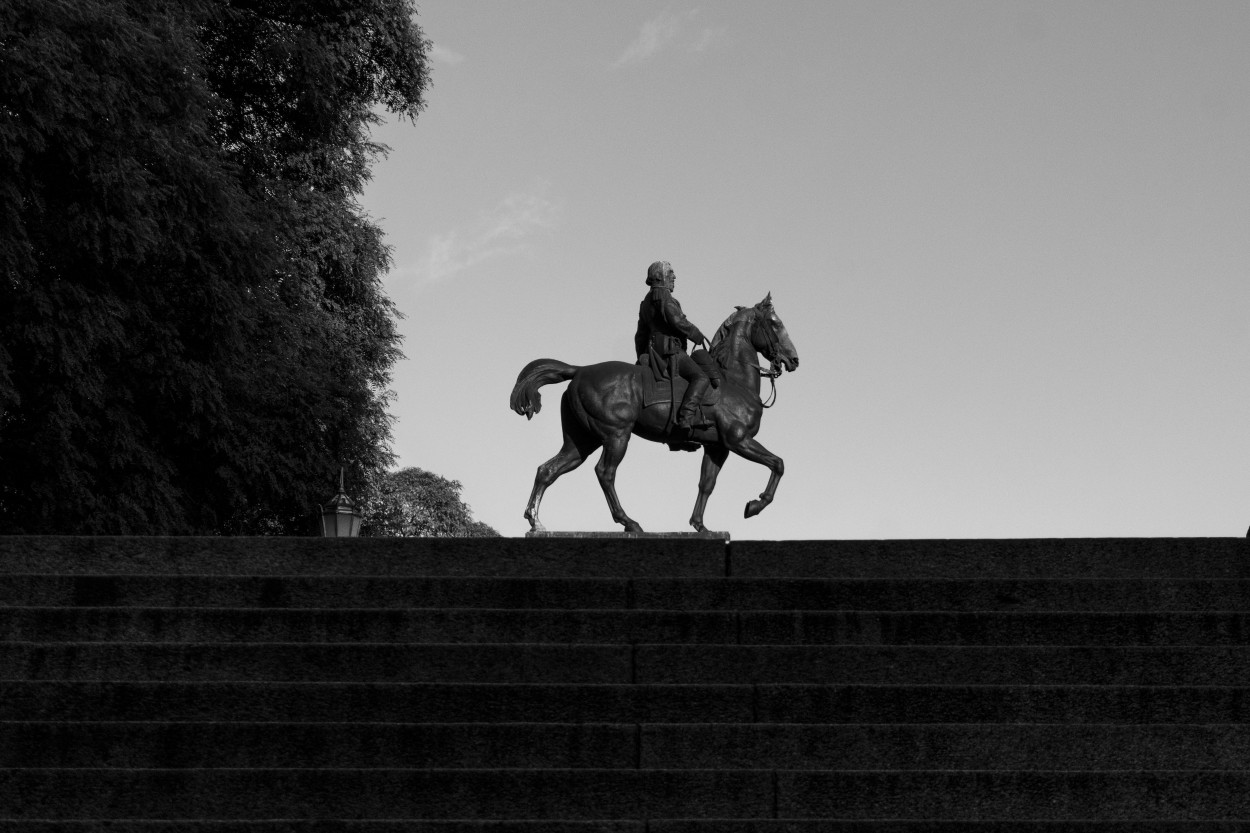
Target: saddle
{"points": [[660, 387]]}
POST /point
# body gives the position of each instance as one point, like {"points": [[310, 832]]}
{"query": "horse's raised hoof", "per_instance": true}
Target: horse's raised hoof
{"points": [[754, 508]]}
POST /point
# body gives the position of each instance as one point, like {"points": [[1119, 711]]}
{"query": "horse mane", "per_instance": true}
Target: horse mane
{"points": [[720, 341]]}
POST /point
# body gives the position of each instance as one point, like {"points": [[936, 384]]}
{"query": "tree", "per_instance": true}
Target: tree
{"points": [[195, 336], [414, 503]]}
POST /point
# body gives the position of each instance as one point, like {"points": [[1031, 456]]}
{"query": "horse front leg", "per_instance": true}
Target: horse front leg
{"points": [[613, 452], [751, 449], [713, 458]]}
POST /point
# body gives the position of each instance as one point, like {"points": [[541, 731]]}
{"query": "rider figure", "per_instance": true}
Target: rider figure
{"points": [[662, 333]]}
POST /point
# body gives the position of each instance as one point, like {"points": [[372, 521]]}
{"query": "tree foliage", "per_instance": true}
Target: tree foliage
{"points": [[414, 503], [195, 336]]}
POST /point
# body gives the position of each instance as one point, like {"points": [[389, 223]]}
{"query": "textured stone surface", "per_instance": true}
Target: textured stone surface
{"points": [[389, 702], [463, 625], [656, 826], [626, 746], [276, 556], [943, 665], [366, 662], [266, 592], [930, 826], [412, 793], [335, 826], [1014, 795], [1080, 704], [955, 746], [853, 627], [618, 685], [291, 745], [913, 594], [873, 627], [1129, 558]]}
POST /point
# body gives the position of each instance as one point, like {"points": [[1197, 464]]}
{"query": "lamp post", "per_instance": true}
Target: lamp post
{"points": [[340, 518]]}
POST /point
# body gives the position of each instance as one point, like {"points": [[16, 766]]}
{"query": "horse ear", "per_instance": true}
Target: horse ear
{"points": [[738, 308], [767, 302]]}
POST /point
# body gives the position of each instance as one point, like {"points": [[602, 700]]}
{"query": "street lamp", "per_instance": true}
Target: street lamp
{"points": [[340, 518]]}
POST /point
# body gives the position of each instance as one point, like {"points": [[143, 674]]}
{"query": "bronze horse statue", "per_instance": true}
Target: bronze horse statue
{"points": [[604, 404]]}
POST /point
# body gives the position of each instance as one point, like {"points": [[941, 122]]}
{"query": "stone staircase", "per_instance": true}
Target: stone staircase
{"points": [[623, 685]]}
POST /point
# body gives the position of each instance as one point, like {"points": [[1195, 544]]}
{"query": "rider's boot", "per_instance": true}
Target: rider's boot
{"points": [[690, 404]]}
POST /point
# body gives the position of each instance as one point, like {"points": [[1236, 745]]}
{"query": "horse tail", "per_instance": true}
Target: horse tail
{"points": [[525, 399]]}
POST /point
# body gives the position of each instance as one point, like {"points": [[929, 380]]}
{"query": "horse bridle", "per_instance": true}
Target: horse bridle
{"points": [[774, 370]]}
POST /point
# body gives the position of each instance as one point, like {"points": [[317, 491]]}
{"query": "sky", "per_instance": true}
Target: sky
{"points": [[1010, 241]]}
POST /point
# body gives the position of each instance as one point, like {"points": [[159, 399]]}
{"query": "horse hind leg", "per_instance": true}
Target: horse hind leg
{"points": [[571, 455], [614, 448]]}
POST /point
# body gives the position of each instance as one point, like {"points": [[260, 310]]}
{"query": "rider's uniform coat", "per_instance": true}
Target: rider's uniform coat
{"points": [[661, 337], [663, 327]]}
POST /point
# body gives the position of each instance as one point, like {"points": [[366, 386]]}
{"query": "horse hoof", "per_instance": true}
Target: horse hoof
{"points": [[699, 527], [754, 508], [632, 526]]}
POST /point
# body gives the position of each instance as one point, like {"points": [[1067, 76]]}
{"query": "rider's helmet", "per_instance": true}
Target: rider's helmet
{"points": [[658, 273]]}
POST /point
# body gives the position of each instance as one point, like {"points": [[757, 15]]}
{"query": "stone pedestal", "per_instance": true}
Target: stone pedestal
{"points": [[710, 534]]}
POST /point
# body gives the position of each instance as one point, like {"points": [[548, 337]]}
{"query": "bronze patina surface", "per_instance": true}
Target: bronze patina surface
{"points": [[604, 404]]}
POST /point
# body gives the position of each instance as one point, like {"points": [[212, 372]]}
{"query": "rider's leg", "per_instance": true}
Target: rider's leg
{"points": [[708, 365], [692, 373]]}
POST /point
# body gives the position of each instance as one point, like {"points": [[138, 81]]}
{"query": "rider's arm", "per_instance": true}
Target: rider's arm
{"points": [[676, 319]]}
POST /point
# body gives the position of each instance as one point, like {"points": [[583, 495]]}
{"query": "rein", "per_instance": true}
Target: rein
{"points": [[774, 371], [772, 375]]}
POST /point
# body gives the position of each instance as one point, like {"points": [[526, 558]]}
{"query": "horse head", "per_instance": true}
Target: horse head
{"points": [[770, 337], [751, 330]]}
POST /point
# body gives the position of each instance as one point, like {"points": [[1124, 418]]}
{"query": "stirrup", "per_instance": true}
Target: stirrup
{"points": [[679, 439]]}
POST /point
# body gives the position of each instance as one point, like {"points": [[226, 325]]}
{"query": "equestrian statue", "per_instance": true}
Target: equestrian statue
{"points": [[709, 398]]}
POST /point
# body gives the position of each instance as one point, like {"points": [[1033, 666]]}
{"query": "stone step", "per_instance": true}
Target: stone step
{"points": [[645, 685], [469, 625], [460, 625], [725, 594], [1002, 747], [651, 826], [619, 664], [905, 826], [917, 594], [983, 747], [942, 665], [366, 745], [608, 794], [576, 703], [332, 591], [612, 556], [1128, 558], [283, 556]]}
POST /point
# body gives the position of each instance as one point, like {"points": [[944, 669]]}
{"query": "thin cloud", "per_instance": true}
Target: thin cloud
{"points": [[655, 35], [443, 55], [504, 230], [710, 39]]}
